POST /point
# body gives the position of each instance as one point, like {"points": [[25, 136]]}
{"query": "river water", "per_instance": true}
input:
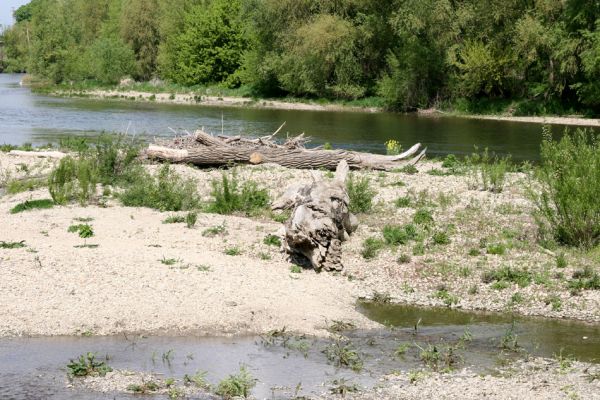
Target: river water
{"points": [[28, 117]]}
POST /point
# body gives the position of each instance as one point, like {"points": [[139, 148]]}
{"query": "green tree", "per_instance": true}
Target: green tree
{"points": [[211, 45], [140, 30], [109, 60]]}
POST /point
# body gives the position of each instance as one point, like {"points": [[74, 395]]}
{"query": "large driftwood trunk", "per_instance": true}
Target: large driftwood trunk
{"points": [[320, 220], [207, 150]]}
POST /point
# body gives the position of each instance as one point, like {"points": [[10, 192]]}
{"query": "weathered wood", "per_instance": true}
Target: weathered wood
{"points": [[320, 220], [208, 150]]}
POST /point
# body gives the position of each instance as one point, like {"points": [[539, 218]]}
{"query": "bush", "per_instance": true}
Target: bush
{"points": [[371, 247], [567, 203], [508, 275], [423, 217], [395, 235], [361, 194], [110, 59], [166, 192], [229, 197]]}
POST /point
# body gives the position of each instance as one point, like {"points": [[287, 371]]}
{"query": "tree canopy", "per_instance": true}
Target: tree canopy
{"points": [[411, 53]]}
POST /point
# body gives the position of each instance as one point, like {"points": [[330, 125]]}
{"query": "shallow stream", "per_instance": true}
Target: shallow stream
{"points": [[35, 368]]}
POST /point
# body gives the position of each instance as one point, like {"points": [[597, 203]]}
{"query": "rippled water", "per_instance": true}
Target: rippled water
{"points": [[27, 117]]}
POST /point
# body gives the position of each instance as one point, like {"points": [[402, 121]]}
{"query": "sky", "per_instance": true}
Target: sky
{"points": [[6, 9]]}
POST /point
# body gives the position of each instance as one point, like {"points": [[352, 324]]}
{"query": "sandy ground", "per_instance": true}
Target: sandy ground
{"points": [[52, 287]]}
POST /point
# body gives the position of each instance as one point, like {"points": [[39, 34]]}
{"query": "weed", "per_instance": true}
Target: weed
{"points": [[395, 235], [435, 357], [474, 252], [73, 179], [146, 387], [215, 230], [272, 240], [448, 298], [87, 365], [516, 298], [555, 301], [423, 217], [361, 194], [174, 219], [343, 354], [229, 197], [198, 380], [441, 238], [510, 339], [487, 172], [381, 297], [393, 147], [473, 289], [233, 251], [415, 376], [203, 268], [450, 162], [12, 245], [84, 231], [168, 356], [281, 217], [371, 247], [238, 385], [408, 169], [419, 249], [296, 269], [32, 205], [340, 326], [565, 362], [168, 261], [401, 349], [342, 387], [166, 192], [505, 274], [585, 279], [561, 261], [190, 219], [404, 259], [403, 202], [24, 185], [496, 249]]}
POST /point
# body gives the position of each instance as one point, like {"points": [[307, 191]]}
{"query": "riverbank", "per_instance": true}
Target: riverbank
{"points": [[147, 276], [126, 93]]}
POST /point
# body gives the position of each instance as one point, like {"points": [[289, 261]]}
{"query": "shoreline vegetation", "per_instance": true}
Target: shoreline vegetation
{"points": [[222, 98]]}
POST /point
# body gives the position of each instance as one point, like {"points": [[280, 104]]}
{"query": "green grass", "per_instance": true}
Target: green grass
{"points": [[361, 194], [215, 230], [168, 261], [441, 238], [233, 251], [403, 202], [238, 385], [32, 205], [585, 279], [496, 249], [25, 185], [296, 269]]}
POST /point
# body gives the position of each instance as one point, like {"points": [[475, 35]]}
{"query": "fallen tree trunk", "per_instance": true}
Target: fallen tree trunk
{"points": [[320, 220], [207, 150]]}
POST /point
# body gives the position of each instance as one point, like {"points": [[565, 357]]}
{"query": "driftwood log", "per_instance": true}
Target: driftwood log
{"points": [[203, 149], [320, 220]]}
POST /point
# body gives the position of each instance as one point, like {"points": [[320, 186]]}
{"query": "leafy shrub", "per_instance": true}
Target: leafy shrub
{"points": [[360, 193], [229, 197], [238, 385], [190, 219], [166, 192], [109, 59], [567, 203]]}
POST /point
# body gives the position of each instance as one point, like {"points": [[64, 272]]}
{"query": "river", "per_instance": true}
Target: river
{"points": [[26, 117]]}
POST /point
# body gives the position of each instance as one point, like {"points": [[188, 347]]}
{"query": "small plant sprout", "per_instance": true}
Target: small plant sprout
{"points": [[233, 251], [168, 261], [272, 240], [296, 269], [84, 231]]}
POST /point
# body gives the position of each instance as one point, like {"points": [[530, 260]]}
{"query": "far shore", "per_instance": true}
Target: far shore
{"points": [[247, 102]]}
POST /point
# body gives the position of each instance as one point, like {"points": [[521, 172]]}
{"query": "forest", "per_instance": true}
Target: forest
{"points": [[538, 56]]}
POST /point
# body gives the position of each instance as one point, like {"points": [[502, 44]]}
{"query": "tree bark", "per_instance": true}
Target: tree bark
{"points": [[208, 150]]}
